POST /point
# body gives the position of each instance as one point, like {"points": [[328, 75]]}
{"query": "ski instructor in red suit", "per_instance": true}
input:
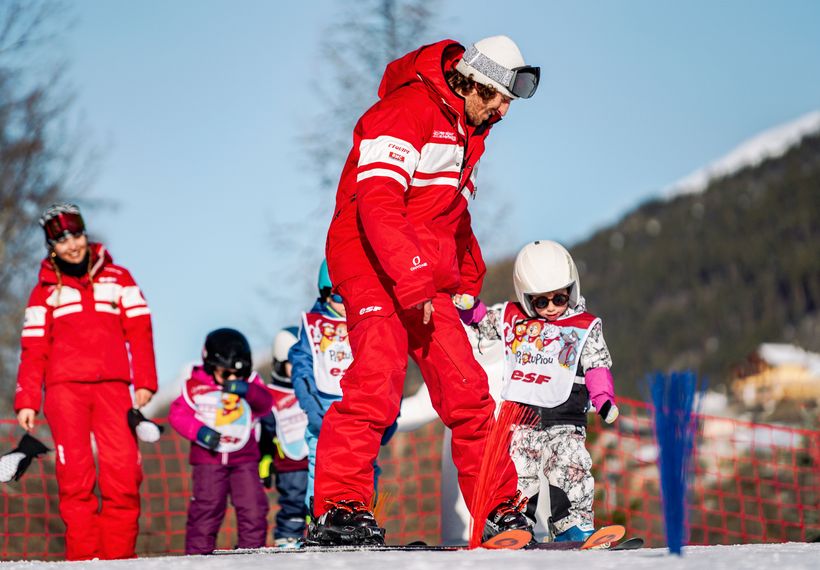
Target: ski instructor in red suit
{"points": [[401, 252], [86, 338]]}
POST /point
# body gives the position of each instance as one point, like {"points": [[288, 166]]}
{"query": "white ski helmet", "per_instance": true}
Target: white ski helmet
{"points": [[543, 266], [496, 61], [282, 342]]}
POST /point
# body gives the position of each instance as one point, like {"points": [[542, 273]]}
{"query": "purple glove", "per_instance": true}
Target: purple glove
{"points": [[474, 315]]}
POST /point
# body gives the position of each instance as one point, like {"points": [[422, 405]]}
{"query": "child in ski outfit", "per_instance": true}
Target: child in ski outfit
{"points": [[284, 447], [320, 358], [218, 412], [555, 362]]}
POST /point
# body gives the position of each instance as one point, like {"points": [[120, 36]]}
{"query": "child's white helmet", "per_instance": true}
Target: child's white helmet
{"points": [[543, 266]]}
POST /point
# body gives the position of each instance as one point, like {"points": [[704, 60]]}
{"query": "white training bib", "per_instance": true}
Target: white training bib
{"points": [[541, 358], [332, 355]]}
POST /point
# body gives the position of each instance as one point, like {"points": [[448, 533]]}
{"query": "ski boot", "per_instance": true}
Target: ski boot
{"points": [[345, 523], [573, 534], [508, 515]]}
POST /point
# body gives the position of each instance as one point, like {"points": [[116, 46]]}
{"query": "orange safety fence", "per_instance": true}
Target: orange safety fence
{"points": [[751, 483]]}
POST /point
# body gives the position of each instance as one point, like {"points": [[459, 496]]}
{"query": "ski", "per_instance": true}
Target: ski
{"points": [[600, 539], [604, 537], [509, 540], [633, 543]]}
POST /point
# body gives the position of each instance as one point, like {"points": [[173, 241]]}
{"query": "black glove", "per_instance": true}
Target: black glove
{"points": [[145, 429], [238, 387], [208, 438], [14, 463]]}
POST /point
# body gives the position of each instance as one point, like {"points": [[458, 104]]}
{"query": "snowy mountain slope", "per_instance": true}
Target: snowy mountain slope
{"points": [[768, 144], [789, 556]]}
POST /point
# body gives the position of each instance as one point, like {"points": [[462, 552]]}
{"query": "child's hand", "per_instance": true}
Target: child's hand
{"points": [[265, 471], [475, 315], [208, 438], [238, 387], [464, 301], [609, 412]]}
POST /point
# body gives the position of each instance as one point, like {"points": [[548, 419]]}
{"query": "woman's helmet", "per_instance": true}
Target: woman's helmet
{"points": [[323, 282], [544, 266], [229, 349], [284, 339], [60, 221]]}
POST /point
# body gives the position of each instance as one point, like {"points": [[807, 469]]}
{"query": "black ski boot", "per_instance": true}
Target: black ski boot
{"points": [[508, 515], [345, 523]]}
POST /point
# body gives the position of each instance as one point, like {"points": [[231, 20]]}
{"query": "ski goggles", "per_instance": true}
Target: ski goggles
{"points": [[63, 225], [520, 81], [559, 300]]}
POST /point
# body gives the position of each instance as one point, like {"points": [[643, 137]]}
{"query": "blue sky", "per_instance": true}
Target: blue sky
{"points": [[196, 108]]}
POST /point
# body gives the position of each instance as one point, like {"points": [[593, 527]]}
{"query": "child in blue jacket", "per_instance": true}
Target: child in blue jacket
{"points": [[320, 358]]}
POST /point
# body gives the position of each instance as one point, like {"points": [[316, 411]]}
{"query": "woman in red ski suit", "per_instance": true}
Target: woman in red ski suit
{"points": [[401, 240], [87, 338]]}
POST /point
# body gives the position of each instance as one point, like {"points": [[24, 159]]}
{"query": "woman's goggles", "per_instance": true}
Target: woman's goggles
{"points": [[63, 225]]}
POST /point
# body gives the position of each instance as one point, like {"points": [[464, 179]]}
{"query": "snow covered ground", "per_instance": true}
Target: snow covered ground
{"points": [[789, 556]]}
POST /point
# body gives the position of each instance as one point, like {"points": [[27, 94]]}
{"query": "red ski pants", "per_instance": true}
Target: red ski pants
{"points": [[372, 388], [74, 410]]}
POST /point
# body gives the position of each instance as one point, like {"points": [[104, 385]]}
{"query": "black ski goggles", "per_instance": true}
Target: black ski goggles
{"points": [[63, 225], [524, 81]]}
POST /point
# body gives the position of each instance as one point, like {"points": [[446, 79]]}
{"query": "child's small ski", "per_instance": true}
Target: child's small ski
{"points": [[600, 539], [604, 537]]}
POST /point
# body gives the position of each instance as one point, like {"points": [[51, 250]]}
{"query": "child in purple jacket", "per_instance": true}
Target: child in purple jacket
{"points": [[218, 412]]}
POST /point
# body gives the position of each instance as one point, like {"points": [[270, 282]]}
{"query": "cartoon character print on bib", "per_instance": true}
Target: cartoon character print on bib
{"points": [[227, 413], [332, 355], [541, 357]]}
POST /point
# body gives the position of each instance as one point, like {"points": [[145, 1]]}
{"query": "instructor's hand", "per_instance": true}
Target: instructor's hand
{"points": [[427, 311], [142, 396], [25, 417]]}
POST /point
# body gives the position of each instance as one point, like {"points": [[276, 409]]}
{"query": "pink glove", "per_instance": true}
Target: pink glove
{"points": [[601, 388], [474, 315]]}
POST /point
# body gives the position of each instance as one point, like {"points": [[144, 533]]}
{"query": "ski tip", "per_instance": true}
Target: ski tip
{"points": [[509, 539], [604, 536]]}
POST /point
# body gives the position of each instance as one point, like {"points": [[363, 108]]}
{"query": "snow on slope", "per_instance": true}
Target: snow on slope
{"points": [[768, 144], [789, 556]]}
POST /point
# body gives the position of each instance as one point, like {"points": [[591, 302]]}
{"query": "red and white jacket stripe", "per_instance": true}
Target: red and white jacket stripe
{"points": [[401, 213], [77, 330]]}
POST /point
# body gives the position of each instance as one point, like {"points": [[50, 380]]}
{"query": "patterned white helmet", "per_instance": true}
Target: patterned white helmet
{"points": [[543, 266], [496, 61]]}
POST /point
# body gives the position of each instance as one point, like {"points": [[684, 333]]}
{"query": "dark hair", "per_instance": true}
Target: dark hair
{"points": [[462, 84]]}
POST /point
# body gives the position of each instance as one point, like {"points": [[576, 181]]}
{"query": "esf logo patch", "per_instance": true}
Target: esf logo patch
{"points": [[530, 377]]}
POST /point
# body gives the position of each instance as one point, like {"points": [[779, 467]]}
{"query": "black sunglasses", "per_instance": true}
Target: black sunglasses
{"points": [[559, 300]]}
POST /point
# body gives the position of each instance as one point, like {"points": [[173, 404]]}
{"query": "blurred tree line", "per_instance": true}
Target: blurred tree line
{"points": [[700, 280], [39, 161]]}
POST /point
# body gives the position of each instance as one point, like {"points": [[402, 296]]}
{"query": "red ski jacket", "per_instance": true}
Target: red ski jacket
{"points": [[401, 224], [78, 330]]}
